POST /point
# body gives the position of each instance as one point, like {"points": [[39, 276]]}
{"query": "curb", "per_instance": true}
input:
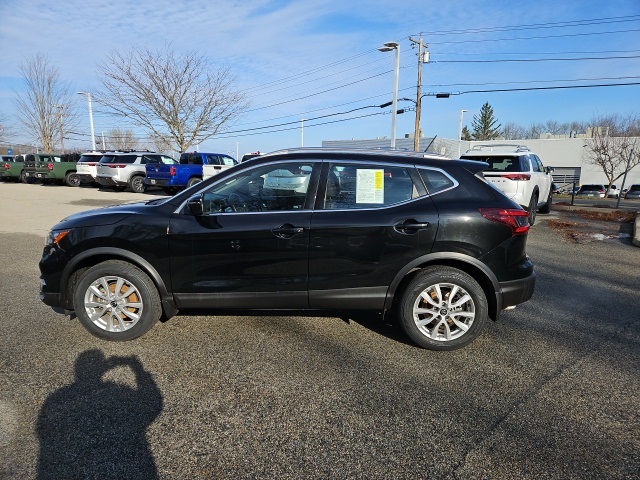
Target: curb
{"points": [[635, 238]]}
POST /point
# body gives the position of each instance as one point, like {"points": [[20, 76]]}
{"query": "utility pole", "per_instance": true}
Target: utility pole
{"points": [[59, 108], [423, 57]]}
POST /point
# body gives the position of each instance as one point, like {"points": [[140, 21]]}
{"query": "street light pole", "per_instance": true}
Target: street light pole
{"points": [[387, 47], [93, 137], [460, 131]]}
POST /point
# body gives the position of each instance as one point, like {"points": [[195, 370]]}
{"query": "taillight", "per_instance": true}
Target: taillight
{"points": [[172, 171], [517, 176], [117, 165], [518, 220], [50, 166], [7, 166]]}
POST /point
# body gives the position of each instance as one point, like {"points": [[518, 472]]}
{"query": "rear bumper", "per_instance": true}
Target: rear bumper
{"points": [[107, 181], [158, 182], [517, 291]]}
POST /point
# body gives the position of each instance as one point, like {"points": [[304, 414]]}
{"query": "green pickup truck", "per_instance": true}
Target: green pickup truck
{"points": [[53, 168], [12, 169]]}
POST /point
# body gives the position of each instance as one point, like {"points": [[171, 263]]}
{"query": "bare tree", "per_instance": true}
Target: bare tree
{"points": [[7, 131], [121, 139], [45, 109], [512, 131], [182, 99], [614, 145]]}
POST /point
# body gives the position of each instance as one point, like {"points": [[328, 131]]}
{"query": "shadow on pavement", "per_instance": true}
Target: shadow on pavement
{"points": [[95, 428]]}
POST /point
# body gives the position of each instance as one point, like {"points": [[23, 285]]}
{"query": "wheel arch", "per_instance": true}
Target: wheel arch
{"points": [[465, 263], [83, 261]]}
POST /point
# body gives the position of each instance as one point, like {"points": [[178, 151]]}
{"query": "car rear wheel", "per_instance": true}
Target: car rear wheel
{"points": [[137, 184], [192, 181], [115, 300], [533, 208], [443, 308], [72, 179]]}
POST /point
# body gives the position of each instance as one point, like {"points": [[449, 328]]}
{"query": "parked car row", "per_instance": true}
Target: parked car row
{"points": [[118, 170]]}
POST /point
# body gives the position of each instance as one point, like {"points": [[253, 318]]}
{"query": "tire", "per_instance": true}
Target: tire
{"points": [[547, 206], [136, 184], [72, 179], [118, 188], [169, 190], [110, 315], [192, 181], [429, 318], [533, 208]]}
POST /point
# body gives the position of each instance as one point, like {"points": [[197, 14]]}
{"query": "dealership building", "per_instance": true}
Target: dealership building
{"points": [[568, 156]]}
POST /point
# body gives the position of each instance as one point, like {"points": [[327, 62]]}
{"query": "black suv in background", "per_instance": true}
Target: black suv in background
{"points": [[304, 229]]}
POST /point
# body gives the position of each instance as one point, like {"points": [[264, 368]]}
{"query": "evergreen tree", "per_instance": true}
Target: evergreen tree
{"points": [[466, 134], [484, 124]]}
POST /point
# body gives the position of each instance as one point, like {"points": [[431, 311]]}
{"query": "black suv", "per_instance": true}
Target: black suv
{"points": [[304, 229]]}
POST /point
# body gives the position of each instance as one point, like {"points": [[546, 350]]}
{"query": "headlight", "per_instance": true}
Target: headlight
{"points": [[55, 236]]}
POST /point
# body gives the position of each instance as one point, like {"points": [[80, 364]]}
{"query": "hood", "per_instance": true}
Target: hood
{"points": [[101, 216]]}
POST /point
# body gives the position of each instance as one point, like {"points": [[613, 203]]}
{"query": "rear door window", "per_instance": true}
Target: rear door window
{"points": [[351, 186]]}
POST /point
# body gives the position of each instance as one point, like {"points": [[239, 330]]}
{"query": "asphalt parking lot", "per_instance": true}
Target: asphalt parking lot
{"points": [[550, 391]]}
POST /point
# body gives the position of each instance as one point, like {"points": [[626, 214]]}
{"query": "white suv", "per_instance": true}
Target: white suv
{"points": [[86, 167], [518, 173], [120, 170]]}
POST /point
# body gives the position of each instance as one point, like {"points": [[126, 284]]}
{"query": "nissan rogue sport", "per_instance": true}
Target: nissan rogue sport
{"points": [[307, 229]]}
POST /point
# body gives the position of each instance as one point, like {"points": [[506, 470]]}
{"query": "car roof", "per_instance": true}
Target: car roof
{"points": [[497, 149], [364, 154]]}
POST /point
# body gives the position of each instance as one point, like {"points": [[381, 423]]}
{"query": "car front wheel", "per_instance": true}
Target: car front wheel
{"points": [[547, 206], [115, 300], [443, 308]]}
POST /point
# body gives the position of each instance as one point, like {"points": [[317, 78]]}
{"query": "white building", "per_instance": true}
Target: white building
{"points": [[566, 155]]}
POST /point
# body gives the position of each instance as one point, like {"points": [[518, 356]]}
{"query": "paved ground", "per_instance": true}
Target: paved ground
{"points": [[550, 391]]}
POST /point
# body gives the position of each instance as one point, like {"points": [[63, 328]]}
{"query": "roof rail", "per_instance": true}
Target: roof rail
{"points": [[501, 146], [362, 150]]}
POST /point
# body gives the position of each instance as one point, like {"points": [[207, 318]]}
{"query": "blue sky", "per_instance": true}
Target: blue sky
{"points": [[299, 60]]}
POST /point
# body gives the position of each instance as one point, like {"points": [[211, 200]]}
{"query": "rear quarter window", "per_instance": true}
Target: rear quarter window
{"points": [[436, 180]]}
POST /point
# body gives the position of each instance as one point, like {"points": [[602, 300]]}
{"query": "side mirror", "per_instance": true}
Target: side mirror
{"points": [[549, 169], [196, 205]]}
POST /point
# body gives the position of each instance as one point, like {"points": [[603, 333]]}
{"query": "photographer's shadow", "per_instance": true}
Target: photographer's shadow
{"points": [[96, 428]]}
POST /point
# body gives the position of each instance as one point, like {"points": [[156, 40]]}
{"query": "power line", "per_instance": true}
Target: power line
{"points": [[537, 37], [548, 88], [537, 26], [229, 135], [536, 59]]}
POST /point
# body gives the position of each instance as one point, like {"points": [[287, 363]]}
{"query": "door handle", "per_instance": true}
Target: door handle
{"points": [[287, 230], [411, 226]]}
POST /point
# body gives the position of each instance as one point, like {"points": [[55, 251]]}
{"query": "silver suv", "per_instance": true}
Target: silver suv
{"points": [[518, 173], [120, 170]]}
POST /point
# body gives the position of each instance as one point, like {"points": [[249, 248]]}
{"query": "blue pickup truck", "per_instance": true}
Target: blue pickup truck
{"points": [[188, 172]]}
